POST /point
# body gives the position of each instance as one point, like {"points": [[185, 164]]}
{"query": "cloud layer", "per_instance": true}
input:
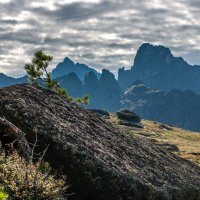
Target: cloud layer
{"points": [[100, 33]]}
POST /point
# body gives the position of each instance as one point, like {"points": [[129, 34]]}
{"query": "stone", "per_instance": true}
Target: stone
{"points": [[127, 115]]}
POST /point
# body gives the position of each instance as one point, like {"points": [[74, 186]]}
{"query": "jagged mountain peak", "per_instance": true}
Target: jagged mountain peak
{"points": [[90, 77], [152, 55], [157, 67], [67, 66], [107, 74], [68, 60]]}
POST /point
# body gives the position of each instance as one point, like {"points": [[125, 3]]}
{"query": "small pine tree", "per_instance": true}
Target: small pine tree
{"points": [[40, 77]]}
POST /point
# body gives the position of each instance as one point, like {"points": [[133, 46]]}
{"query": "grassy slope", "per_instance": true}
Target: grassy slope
{"points": [[188, 142]]}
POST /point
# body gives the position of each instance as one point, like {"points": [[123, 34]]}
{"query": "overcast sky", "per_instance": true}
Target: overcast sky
{"points": [[99, 33]]}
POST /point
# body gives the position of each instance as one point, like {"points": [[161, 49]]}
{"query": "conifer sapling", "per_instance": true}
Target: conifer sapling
{"points": [[39, 76]]}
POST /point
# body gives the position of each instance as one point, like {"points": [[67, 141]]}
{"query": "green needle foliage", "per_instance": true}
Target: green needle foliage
{"points": [[40, 77], [3, 194]]}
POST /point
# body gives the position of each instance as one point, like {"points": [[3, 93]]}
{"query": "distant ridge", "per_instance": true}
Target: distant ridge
{"points": [[154, 65], [8, 81], [68, 66]]}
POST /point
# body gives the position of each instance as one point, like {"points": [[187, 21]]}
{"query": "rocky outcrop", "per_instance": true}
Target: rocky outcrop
{"points": [[68, 66], [169, 147], [101, 162], [128, 116], [12, 137]]}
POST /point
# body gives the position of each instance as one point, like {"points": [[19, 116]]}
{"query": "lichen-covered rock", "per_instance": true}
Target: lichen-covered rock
{"points": [[101, 162]]}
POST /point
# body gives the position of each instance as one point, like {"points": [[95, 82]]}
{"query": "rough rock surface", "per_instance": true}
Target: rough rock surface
{"points": [[101, 162], [169, 147]]}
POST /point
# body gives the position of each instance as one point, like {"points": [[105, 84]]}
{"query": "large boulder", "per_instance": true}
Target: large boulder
{"points": [[101, 162], [128, 116]]}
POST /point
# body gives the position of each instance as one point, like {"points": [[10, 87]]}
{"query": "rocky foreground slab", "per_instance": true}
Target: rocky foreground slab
{"points": [[101, 162]]}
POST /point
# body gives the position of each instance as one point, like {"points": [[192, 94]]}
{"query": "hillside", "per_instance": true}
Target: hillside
{"points": [[100, 160], [181, 142]]}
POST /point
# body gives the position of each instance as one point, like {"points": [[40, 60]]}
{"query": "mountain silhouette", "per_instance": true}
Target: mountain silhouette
{"points": [[174, 98], [108, 92], [68, 66], [71, 84], [8, 81], [158, 68]]}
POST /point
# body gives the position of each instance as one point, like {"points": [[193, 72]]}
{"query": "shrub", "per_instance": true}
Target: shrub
{"points": [[3, 194], [29, 181]]}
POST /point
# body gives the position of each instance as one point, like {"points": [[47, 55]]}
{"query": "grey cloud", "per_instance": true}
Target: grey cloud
{"points": [[120, 46], [12, 8], [76, 11], [193, 3], [8, 22], [88, 56], [105, 34], [22, 36]]}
